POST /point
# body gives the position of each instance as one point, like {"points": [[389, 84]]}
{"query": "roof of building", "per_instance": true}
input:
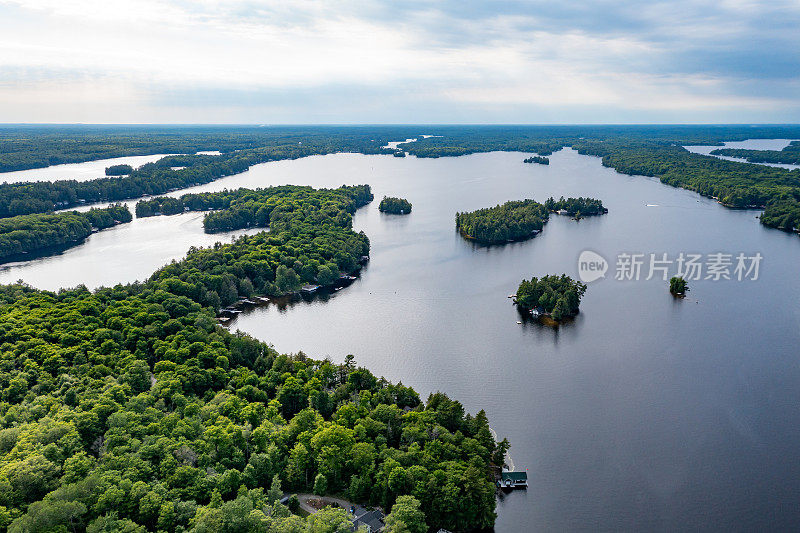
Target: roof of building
{"points": [[373, 519], [514, 476]]}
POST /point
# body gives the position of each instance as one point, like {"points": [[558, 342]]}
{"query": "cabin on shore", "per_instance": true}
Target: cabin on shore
{"points": [[513, 480]]}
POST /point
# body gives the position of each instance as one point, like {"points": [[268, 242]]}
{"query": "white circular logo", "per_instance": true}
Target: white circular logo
{"points": [[591, 266]]}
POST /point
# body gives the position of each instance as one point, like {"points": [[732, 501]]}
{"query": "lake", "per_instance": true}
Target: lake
{"points": [[85, 171], [644, 413]]}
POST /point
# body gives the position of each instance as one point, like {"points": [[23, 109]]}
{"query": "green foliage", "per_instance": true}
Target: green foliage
{"points": [[576, 207], [119, 170], [558, 295], [26, 234], [406, 516], [511, 221], [395, 206], [310, 241], [129, 409], [678, 285], [783, 214], [537, 159]]}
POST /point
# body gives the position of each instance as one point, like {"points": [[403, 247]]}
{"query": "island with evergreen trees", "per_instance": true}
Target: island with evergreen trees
{"points": [[395, 206], [119, 170], [512, 221], [576, 207], [537, 159], [558, 297], [678, 286]]}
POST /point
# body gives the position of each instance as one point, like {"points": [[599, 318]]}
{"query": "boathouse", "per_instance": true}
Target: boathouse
{"points": [[513, 480]]}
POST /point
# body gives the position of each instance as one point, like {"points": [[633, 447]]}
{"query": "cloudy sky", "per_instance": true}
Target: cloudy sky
{"points": [[340, 61]]}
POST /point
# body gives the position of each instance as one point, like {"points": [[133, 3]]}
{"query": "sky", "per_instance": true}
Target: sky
{"points": [[341, 61]]}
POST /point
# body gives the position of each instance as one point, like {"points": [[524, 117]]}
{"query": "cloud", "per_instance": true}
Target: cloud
{"points": [[316, 61]]}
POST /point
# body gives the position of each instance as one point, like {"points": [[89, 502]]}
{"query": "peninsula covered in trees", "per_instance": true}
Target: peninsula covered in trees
{"points": [[576, 207], [130, 409], [558, 296], [395, 206], [537, 159], [789, 155], [35, 234], [512, 221]]}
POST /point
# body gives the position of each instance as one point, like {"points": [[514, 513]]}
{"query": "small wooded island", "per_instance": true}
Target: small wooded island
{"points": [[520, 220], [395, 206], [537, 159], [556, 296], [678, 286], [512, 221], [119, 170], [576, 207]]}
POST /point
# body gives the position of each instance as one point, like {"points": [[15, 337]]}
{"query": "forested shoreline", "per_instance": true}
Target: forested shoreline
{"points": [[129, 408], [33, 234], [789, 155]]}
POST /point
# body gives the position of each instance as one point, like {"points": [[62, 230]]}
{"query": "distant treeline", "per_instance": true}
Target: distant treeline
{"points": [[511, 221], [395, 206], [733, 184], [648, 150], [537, 159], [789, 155], [32, 146], [577, 207], [558, 295], [119, 170], [26, 234]]}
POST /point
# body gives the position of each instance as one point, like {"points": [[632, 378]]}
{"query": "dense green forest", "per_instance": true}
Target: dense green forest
{"points": [[162, 205], [310, 241], [789, 155], [576, 207], [512, 221], [560, 296], [244, 208], [32, 234], [395, 206], [130, 409], [784, 215], [119, 170], [537, 159]]}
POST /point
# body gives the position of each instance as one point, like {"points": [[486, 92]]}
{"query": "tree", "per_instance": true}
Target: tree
{"points": [[678, 286], [406, 516], [320, 485]]}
